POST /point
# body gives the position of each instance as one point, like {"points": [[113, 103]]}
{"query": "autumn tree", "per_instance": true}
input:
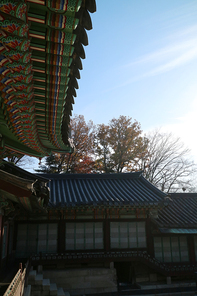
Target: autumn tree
{"points": [[80, 161], [119, 146], [168, 166], [103, 150]]}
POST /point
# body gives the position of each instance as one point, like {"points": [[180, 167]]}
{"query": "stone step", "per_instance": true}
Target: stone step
{"points": [[53, 289], [162, 294], [27, 291], [39, 279], [156, 293], [32, 275], [60, 292], [165, 286], [39, 269], [46, 284]]}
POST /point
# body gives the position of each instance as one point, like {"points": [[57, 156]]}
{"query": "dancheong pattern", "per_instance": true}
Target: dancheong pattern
{"points": [[40, 58]]}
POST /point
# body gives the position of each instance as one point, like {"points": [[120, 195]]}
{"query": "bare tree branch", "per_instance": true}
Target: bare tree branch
{"points": [[168, 166]]}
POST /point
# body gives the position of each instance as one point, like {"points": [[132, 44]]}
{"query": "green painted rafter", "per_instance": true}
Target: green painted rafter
{"points": [[40, 58]]}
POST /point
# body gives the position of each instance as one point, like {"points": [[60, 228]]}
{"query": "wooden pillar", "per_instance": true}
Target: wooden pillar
{"points": [[4, 242], [191, 249], [149, 238], [8, 243], [61, 237], [106, 235], [15, 234], [1, 237]]}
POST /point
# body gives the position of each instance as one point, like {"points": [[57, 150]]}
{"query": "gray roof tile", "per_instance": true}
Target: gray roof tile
{"points": [[181, 212], [102, 189]]}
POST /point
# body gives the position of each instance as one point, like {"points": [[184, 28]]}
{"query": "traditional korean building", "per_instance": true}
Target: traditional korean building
{"points": [[103, 212], [175, 237], [21, 193], [89, 232], [41, 52], [98, 229]]}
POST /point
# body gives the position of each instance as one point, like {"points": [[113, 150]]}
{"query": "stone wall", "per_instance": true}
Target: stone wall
{"points": [[84, 280]]}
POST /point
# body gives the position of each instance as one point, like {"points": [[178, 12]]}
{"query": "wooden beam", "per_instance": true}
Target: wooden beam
{"points": [[1, 236], [13, 189]]}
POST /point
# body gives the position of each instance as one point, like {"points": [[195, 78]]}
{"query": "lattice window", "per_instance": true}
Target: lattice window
{"points": [[126, 235], [171, 249], [35, 238], [84, 236]]}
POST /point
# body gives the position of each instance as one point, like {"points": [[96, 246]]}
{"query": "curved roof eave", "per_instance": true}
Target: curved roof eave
{"points": [[41, 44]]}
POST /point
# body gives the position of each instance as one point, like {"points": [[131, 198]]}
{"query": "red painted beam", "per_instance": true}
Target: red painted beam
{"points": [[15, 190]]}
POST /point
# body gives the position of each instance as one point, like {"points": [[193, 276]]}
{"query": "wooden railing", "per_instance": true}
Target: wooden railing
{"points": [[16, 288]]}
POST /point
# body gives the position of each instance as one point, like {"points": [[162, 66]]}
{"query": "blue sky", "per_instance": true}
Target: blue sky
{"points": [[141, 61]]}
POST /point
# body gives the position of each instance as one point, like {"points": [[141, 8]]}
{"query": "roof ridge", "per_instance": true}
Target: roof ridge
{"points": [[94, 176]]}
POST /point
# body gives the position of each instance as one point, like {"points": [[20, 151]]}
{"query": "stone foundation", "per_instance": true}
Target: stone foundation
{"points": [[84, 280]]}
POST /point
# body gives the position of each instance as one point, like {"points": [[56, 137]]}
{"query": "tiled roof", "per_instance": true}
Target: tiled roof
{"points": [[180, 213], [103, 189], [19, 172]]}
